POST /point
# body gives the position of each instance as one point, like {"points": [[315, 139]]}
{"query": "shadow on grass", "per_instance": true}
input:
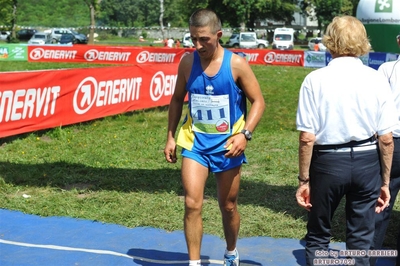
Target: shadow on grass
{"points": [[69, 176], [44, 132]]}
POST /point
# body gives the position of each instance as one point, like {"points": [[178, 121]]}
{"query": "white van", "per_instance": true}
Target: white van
{"points": [[283, 39]]}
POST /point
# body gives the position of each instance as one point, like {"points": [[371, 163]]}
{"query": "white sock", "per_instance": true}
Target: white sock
{"points": [[194, 262], [233, 252]]}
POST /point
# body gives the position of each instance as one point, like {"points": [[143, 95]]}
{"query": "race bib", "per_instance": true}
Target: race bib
{"points": [[210, 113]]}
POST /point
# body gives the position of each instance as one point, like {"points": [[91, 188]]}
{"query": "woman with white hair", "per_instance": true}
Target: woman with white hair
{"points": [[346, 115]]}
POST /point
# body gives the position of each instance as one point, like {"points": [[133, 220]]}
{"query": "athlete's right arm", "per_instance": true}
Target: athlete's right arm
{"points": [[175, 107]]}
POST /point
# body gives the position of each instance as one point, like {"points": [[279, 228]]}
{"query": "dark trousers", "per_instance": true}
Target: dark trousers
{"points": [[382, 219], [334, 175]]}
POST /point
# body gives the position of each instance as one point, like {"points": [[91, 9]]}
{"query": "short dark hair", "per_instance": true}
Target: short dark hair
{"points": [[398, 36], [205, 17]]}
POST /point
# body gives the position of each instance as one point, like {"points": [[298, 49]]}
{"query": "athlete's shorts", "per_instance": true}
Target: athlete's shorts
{"points": [[216, 162]]}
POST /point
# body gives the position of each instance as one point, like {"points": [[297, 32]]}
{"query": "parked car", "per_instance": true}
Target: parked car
{"points": [[40, 38], [4, 35], [246, 40], [233, 39], [25, 34], [80, 38], [67, 39], [56, 35], [312, 41]]}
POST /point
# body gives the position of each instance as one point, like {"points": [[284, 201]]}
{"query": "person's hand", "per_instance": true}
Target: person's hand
{"points": [[383, 200], [237, 144], [170, 151], [303, 196]]}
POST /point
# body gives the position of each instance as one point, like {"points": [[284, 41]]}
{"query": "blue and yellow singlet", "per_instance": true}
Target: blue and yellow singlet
{"points": [[216, 109]]}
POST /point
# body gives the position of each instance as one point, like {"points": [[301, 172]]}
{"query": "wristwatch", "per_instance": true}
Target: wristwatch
{"points": [[247, 134]]}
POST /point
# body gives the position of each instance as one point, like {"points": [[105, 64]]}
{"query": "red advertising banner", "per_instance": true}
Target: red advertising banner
{"points": [[101, 54], [149, 55], [273, 57], [37, 100]]}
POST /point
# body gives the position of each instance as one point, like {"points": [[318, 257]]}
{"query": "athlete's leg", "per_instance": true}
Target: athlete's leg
{"points": [[194, 176], [228, 189]]}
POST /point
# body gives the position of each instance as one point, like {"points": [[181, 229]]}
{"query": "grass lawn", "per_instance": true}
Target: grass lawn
{"points": [[113, 169]]}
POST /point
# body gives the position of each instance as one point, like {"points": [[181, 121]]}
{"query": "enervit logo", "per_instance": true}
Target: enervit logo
{"points": [[162, 85], [40, 53], [91, 55], [146, 56], [383, 6], [37, 54], [94, 54], [91, 92], [252, 57], [143, 57], [85, 89], [272, 57]]}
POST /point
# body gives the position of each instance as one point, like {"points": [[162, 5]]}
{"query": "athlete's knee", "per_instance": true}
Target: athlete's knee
{"points": [[229, 207], [193, 204]]}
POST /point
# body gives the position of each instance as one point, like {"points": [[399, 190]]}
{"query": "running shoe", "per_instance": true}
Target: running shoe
{"points": [[231, 260]]}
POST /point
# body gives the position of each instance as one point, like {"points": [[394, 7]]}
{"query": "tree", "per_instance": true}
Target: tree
{"points": [[50, 13], [161, 18], [279, 10], [14, 18], [134, 14], [346, 8], [6, 12], [245, 14], [8, 15], [325, 10], [93, 7]]}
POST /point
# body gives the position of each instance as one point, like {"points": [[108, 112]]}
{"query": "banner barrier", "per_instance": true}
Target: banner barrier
{"points": [[36, 100], [135, 55], [322, 59], [273, 57], [99, 54], [315, 59], [132, 55]]}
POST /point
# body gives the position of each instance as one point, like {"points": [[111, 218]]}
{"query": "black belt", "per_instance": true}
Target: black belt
{"points": [[350, 144]]}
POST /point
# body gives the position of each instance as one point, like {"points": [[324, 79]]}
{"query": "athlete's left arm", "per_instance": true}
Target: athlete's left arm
{"points": [[245, 77]]}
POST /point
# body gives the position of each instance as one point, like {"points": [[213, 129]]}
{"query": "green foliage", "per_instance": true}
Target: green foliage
{"points": [[326, 10], [144, 34], [346, 8], [247, 13], [49, 13], [141, 13], [6, 7]]}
